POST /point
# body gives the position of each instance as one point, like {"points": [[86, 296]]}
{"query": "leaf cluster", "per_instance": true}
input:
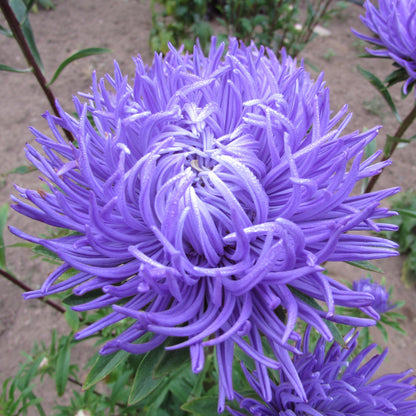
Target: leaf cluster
{"points": [[405, 236], [275, 24]]}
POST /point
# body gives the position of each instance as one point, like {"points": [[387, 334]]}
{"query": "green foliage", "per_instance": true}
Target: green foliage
{"points": [[329, 54], [180, 22], [405, 236], [17, 70], [267, 22], [17, 393], [398, 75], [78, 55], [133, 382], [34, 5], [381, 88], [365, 265]]}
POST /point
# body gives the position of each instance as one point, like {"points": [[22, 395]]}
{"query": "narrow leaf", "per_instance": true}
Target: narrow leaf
{"points": [[47, 4], [144, 382], [19, 9], [74, 300], [203, 406], [365, 265], [62, 366], [4, 210], [104, 365], [29, 6], [6, 32], [30, 374], [22, 170], [396, 76], [11, 69], [78, 55], [72, 318], [382, 90], [198, 387], [407, 212], [171, 361]]}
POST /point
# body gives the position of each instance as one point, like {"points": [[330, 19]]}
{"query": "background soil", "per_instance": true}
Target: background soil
{"points": [[124, 27]]}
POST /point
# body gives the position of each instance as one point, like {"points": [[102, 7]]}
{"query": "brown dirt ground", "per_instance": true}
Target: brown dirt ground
{"points": [[123, 26]]}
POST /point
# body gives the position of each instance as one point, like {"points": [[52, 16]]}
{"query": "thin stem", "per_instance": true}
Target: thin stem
{"points": [[315, 20], [406, 123], [27, 53], [26, 288]]}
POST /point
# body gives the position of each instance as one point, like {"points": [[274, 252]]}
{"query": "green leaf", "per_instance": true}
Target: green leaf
{"points": [[383, 333], [62, 365], [144, 382], [6, 32], [396, 76], [242, 356], [19, 9], [4, 211], [46, 4], [103, 366], [370, 149], [365, 265], [202, 406], [52, 349], [181, 384], [312, 302], [171, 361], [311, 65], [407, 212], [381, 88], [29, 4], [11, 69], [74, 300], [22, 170], [118, 387], [45, 253], [78, 55], [198, 387], [389, 143], [72, 318]]}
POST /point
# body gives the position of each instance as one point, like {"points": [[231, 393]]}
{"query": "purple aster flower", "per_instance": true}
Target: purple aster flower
{"points": [[203, 199], [381, 301], [394, 26], [335, 385]]}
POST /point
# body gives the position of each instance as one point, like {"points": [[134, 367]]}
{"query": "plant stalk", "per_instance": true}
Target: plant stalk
{"points": [[407, 122], [24, 47], [26, 288]]}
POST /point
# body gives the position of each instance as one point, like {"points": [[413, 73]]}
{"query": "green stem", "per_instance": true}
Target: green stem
{"points": [[26, 288], [406, 123], [27, 53]]}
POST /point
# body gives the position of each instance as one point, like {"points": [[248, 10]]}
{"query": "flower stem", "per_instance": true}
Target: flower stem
{"points": [[27, 53], [26, 288], [406, 123]]}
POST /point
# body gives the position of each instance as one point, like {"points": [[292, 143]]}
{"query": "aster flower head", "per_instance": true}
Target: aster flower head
{"points": [[203, 199], [336, 385], [381, 302], [393, 23]]}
